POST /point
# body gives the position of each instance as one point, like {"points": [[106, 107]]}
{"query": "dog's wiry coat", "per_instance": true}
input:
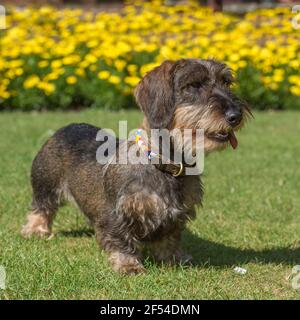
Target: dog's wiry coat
{"points": [[133, 206]]}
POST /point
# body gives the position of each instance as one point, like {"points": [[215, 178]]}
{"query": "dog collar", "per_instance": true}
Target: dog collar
{"points": [[139, 141], [176, 170]]}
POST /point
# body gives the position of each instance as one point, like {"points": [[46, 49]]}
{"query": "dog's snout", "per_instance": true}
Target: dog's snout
{"points": [[233, 117]]}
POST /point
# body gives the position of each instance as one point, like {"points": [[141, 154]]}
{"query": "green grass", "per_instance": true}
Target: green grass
{"points": [[250, 218]]}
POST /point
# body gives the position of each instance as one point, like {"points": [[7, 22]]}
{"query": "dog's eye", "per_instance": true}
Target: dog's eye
{"points": [[196, 84], [227, 81]]}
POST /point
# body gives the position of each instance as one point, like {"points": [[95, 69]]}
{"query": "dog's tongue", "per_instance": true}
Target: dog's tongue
{"points": [[233, 140]]}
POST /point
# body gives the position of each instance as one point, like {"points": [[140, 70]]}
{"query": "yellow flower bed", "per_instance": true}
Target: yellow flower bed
{"points": [[52, 58]]}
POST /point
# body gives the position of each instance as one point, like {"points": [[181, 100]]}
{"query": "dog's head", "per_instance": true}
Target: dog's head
{"points": [[193, 94]]}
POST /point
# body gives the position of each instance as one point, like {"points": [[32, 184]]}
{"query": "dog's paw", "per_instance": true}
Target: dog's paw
{"points": [[173, 258], [126, 264], [183, 258], [131, 269], [36, 225], [177, 258], [28, 231]]}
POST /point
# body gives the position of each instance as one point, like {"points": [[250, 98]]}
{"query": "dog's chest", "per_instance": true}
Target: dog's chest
{"points": [[192, 191], [153, 201], [174, 205], [187, 195], [171, 216]]}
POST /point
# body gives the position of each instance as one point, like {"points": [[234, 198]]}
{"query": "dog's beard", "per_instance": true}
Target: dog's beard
{"points": [[217, 133]]}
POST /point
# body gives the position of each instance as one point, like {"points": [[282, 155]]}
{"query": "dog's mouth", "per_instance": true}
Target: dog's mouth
{"points": [[223, 136]]}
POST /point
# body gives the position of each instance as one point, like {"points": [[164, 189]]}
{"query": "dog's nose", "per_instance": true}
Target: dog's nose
{"points": [[233, 117]]}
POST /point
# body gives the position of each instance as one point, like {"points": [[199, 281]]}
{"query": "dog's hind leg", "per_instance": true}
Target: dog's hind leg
{"points": [[46, 177], [39, 223]]}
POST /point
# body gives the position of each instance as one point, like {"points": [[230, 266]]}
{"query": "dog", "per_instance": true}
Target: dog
{"points": [[136, 206]]}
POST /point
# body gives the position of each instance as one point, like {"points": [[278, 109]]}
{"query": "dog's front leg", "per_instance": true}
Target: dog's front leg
{"points": [[168, 249], [126, 263], [123, 258], [136, 216], [124, 252]]}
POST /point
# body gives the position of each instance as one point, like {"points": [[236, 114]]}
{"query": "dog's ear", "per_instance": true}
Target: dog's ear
{"points": [[155, 95]]}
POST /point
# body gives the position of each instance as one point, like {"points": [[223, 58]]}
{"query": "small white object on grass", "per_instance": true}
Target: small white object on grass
{"points": [[2, 278], [240, 270]]}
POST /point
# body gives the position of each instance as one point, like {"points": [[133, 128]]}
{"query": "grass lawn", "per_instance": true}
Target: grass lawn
{"points": [[250, 218]]}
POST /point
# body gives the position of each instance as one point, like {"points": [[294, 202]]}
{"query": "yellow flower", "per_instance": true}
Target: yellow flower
{"points": [[16, 63], [295, 90], [114, 79], [4, 94], [71, 80], [266, 80], [84, 64], [92, 44], [132, 81], [54, 75], [295, 64], [43, 64], [135, 41], [48, 88], [278, 72], [234, 57], [148, 67], [10, 74], [19, 71], [241, 64], [4, 82], [93, 67], [294, 79], [91, 58], [71, 59], [132, 68], [277, 77], [80, 72], [274, 86], [103, 75], [120, 65], [31, 82], [56, 64]]}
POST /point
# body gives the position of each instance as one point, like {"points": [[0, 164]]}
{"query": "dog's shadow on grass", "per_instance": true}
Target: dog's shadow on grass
{"points": [[80, 233], [209, 253]]}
